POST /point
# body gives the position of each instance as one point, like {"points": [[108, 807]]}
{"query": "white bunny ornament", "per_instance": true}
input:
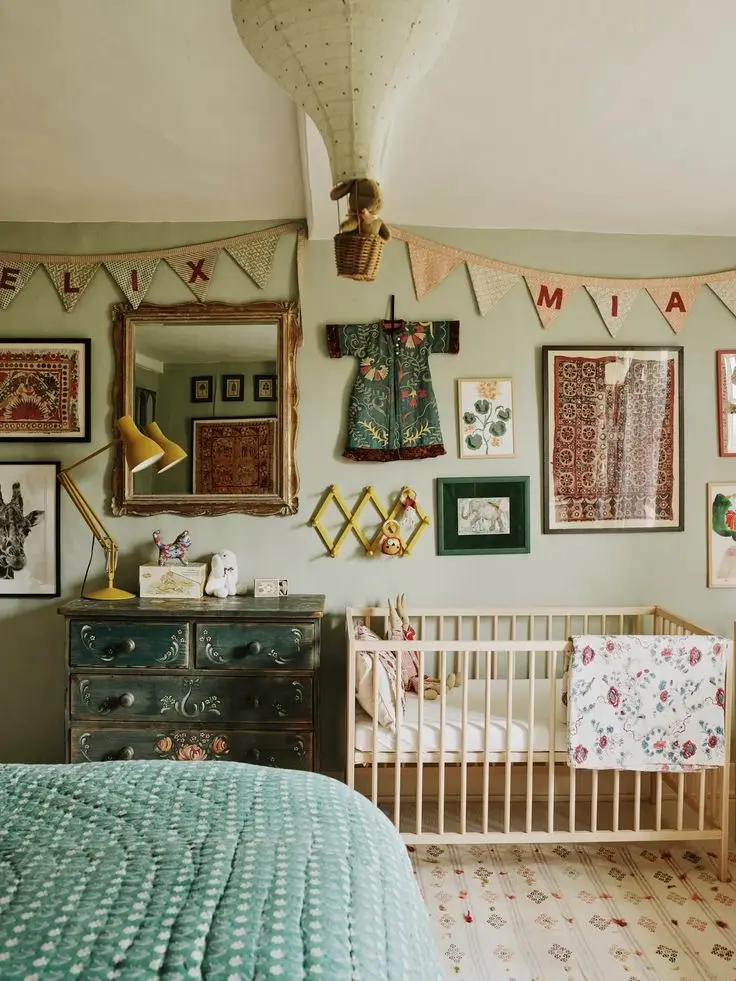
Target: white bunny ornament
{"points": [[223, 578]]}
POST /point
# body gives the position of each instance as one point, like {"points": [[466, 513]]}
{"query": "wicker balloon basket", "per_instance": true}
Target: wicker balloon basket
{"points": [[358, 256]]}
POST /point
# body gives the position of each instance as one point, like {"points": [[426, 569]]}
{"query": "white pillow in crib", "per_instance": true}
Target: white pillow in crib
{"points": [[385, 709]]}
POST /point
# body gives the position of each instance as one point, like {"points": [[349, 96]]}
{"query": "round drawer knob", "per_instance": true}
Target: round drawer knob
{"points": [[127, 699], [253, 648], [126, 753], [126, 646], [255, 701]]}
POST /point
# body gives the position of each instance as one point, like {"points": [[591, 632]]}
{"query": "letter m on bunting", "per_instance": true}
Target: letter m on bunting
{"points": [[550, 295]]}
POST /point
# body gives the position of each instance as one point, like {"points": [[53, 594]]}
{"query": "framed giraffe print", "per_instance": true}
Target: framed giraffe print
{"points": [[29, 549], [45, 390]]}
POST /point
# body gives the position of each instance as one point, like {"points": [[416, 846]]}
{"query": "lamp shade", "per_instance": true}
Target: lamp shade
{"points": [[347, 64], [140, 450], [173, 453]]}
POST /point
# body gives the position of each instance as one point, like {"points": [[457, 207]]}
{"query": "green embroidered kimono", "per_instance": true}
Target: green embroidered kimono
{"points": [[393, 412]]}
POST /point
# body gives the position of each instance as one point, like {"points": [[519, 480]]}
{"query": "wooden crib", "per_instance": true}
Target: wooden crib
{"points": [[487, 762]]}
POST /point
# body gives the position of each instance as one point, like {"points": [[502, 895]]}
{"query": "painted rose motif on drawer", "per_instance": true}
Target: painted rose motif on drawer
{"points": [[191, 746]]}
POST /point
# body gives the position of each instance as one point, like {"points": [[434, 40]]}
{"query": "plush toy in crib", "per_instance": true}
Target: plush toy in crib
{"points": [[401, 629], [223, 578]]}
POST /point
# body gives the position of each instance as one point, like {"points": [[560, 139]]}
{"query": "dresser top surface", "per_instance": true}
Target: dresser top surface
{"points": [[250, 606]]}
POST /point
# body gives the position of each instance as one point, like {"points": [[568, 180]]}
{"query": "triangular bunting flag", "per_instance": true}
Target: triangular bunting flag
{"points": [[13, 277], [490, 285], [725, 290], [428, 268], [71, 280], [674, 300], [255, 255], [550, 295], [613, 304], [195, 269], [133, 276]]}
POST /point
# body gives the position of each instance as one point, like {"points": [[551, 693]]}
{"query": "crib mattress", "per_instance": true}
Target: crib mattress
{"points": [[475, 735]]}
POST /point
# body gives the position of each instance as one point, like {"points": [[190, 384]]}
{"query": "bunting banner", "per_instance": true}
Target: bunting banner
{"points": [[133, 272], [551, 292]]}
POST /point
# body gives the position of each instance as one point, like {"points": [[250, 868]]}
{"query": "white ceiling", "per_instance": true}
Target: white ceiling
{"points": [[161, 344], [567, 114]]}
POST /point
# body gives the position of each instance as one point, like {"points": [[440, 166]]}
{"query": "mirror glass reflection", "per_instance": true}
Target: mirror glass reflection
{"points": [[213, 389]]}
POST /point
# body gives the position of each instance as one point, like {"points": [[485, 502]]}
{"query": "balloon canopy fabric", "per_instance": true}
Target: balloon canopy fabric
{"points": [[347, 63]]}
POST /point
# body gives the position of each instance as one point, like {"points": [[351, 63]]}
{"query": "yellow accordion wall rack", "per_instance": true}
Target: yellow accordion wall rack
{"points": [[390, 530]]}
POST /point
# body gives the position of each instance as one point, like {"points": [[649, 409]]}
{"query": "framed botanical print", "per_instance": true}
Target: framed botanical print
{"points": [[482, 515], [234, 456], [233, 388], [45, 390], [201, 389], [721, 526], [29, 502], [726, 402], [265, 388], [613, 422], [485, 417]]}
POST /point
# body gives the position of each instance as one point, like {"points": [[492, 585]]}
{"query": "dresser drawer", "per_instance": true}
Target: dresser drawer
{"points": [[94, 745], [105, 643], [209, 700], [255, 646]]}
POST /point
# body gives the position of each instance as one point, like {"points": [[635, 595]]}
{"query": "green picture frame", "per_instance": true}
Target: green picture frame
{"points": [[482, 515]]}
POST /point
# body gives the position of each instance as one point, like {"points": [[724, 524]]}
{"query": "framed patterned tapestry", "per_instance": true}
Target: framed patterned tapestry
{"points": [[29, 503], [613, 421], [45, 390], [234, 456]]}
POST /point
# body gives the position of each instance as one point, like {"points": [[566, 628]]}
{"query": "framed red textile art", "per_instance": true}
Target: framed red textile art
{"points": [[44, 390], [234, 456], [613, 421]]}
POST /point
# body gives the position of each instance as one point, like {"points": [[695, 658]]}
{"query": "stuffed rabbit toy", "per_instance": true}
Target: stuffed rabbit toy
{"points": [[401, 629], [223, 578]]}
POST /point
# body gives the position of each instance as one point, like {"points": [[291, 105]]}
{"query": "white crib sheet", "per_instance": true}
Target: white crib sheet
{"points": [[474, 742]]}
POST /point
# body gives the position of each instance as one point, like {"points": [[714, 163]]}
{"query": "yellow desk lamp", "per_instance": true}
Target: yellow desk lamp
{"points": [[141, 451]]}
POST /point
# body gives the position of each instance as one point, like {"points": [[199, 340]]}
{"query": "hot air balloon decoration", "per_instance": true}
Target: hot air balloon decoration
{"points": [[347, 66]]}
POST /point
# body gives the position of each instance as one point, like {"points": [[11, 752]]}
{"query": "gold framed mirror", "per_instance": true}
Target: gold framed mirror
{"points": [[220, 380]]}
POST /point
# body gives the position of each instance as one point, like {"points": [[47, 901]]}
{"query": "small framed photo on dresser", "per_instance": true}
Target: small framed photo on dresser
{"points": [[45, 390], [30, 552]]}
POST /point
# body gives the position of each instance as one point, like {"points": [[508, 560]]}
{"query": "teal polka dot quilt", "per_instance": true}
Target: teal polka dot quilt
{"points": [[202, 870]]}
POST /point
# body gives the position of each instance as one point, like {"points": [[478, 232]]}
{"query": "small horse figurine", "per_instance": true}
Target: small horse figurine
{"points": [[176, 550]]}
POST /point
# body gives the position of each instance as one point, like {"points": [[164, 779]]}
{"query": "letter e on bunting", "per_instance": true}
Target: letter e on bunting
{"points": [[490, 285], [428, 268], [254, 255], [613, 304], [71, 280], [550, 294], [674, 299], [133, 277], [195, 269], [13, 277]]}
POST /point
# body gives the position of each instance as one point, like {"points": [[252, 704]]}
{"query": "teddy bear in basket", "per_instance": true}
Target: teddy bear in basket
{"points": [[364, 205], [401, 629]]}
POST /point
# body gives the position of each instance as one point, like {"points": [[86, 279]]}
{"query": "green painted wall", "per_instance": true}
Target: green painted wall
{"points": [[588, 569]]}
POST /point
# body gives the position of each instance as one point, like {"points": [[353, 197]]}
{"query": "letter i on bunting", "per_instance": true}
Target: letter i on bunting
{"points": [[550, 295], [613, 305], [195, 269], [71, 280], [133, 277], [674, 299], [13, 277]]}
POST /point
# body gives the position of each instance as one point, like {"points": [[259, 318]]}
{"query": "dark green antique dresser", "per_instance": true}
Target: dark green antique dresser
{"points": [[234, 679]]}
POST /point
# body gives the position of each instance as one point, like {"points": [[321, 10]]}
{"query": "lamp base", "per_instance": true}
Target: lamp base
{"points": [[109, 593]]}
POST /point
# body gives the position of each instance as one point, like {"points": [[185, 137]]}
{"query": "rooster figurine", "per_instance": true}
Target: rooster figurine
{"points": [[176, 550]]}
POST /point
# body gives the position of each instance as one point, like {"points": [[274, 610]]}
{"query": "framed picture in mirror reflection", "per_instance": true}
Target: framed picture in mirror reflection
{"points": [[232, 388], [265, 388], [202, 389]]}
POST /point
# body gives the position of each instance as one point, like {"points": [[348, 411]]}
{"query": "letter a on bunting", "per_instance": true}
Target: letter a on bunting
{"points": [[674, 299], [550, 295]]}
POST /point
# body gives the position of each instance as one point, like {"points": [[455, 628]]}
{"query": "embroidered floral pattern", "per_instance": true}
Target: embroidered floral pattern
{"points": [[646, 703]]}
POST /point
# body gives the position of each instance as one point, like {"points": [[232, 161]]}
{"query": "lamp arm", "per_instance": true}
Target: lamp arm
{"points": [[90, 456], [101, 534]]}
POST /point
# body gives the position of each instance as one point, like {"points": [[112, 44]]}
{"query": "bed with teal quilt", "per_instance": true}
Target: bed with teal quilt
{"points": [[202, 870]]}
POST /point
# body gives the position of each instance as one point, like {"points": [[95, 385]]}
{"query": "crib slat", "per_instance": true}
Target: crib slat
{"points": [[680, 800], [701, 799], [616, 798], [552, 657], [443, 723], [530, 747], [637, 800], [494, 655], [486, 739], [477, 653], [658, 802], [374, 741], [420, 740], [509, 716], [397, 735], [463, 750], [573, 789], [594, 800]]}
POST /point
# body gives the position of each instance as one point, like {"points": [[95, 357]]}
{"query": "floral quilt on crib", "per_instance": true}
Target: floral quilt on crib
{"points": [[646, 703]]}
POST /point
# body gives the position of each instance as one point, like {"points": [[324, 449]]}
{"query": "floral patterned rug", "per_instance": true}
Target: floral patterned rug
{"points": [[595, 913]]}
